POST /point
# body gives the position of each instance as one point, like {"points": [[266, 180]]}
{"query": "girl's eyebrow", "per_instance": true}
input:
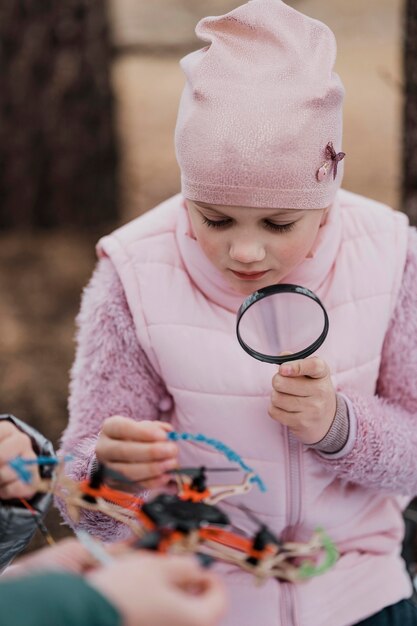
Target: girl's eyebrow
{"points": [[281, 213], [204, 206], [209, 208]]}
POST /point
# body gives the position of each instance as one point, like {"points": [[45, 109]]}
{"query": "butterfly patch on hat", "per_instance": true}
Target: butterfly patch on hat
{"points": [[333, 159]]}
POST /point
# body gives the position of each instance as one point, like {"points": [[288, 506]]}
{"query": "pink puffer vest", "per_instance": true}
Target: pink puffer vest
{"points": [[185, 320]]}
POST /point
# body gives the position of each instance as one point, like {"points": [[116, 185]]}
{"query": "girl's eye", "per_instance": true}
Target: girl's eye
{"points": [[216, 223], [280, 228], [224, 223]]}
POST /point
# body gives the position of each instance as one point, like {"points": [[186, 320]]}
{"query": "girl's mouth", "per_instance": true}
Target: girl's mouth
{"points": [[249, 275]]}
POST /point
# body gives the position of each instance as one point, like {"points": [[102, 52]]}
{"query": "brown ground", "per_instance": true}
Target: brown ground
{"points": [[42, 276]]}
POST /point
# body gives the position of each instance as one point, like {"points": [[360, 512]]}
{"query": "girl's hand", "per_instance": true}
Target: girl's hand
{"points": [[13, 443], [304, 399], [139, 450]]}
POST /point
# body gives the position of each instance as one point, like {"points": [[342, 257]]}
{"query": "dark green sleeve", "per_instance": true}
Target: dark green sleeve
{"points": [[54, 599]]}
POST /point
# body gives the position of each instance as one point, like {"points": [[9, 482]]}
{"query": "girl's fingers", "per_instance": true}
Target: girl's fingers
{"points": [[113, 450], [140, 472], [311, 366], [299, 386], [165, 426], [289, 403], [125, 428], [139, 450], [156, 483], [283, 417]]}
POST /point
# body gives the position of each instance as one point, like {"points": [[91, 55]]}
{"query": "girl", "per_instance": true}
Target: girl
{"points": [[259, 144]]}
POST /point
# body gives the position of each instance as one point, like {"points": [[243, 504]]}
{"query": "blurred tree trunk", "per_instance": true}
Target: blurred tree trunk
{"points": [[57, 142], [410, 112]]}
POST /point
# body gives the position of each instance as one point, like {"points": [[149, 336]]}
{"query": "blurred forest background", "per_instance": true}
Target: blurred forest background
{"points": [[88, 99]]}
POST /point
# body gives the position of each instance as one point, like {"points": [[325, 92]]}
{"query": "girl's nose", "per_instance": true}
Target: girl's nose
{"points": [[247, 252]]}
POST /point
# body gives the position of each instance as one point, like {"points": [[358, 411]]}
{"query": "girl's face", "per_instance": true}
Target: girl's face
{"points": [[254, 247]]}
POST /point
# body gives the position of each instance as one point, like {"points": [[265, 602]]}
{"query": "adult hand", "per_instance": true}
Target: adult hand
{"points": [[67, 555], [139, 450], [304, 399], [13, 443], [156, 590]]}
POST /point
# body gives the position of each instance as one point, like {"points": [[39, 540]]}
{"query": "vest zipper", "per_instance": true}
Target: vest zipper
{"points": [[294, 483], [288, 605], [294, 512]]}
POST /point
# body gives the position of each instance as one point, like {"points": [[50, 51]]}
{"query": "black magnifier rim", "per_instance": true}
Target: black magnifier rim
{"points": [[268, 291]]}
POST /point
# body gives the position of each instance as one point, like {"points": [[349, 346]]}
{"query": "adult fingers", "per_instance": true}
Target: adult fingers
{"points": [[6, 429], [16, 444], [313, 367], [182, 569], [210, 604], [16, 489], [205, 598], [67, 554], [7, 475]]}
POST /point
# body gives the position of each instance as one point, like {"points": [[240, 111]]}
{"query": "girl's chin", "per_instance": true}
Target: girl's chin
{"points": [[246, 288]]}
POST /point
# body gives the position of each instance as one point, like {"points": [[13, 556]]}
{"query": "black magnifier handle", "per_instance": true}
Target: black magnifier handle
{"points": [[266, 292]]}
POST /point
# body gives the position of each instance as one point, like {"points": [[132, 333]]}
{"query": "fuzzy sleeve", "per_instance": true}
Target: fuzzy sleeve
{"points": [[111, 375], [384, 451]]}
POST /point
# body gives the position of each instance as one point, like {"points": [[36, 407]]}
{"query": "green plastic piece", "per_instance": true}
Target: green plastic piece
{"points": [[309, 569]]}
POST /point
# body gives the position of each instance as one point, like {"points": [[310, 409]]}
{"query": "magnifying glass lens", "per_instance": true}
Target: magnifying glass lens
{"points": [[281, 318]]}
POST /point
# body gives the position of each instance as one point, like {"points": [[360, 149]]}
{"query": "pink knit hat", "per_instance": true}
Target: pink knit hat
{"points": [[260, 118]]}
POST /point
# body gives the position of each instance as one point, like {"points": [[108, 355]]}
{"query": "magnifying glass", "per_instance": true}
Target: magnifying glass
{"points": [[281, 318]]}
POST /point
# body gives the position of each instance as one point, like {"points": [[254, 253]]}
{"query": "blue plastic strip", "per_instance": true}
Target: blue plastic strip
{"points": [[230, 454], [20, 465]]}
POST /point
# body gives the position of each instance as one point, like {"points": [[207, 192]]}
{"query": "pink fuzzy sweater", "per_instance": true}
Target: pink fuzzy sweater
{"points": [[112, 375]]}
